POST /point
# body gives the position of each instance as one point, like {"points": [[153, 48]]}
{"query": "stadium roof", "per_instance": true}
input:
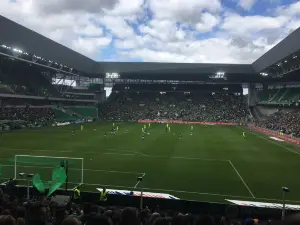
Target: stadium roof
{"points": [[13, 34]]}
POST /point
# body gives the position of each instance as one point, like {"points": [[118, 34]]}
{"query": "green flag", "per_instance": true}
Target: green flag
{"points": [[59, 177], [38, 183]]}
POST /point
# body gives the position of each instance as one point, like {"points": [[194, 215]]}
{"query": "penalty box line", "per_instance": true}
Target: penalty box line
{"points": [[241, 178], [91, 170]]}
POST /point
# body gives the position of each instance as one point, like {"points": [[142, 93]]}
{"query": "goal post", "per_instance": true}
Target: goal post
{"points": [[44, 165]]}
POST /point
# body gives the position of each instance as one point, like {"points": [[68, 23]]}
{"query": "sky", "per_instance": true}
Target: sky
{"points": [[202, 31]]}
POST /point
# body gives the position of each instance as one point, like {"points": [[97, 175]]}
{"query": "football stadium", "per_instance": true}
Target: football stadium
{"points": [[177, 135]]}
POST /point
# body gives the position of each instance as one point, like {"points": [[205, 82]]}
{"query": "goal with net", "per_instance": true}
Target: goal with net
{"points": [[44, 165]]}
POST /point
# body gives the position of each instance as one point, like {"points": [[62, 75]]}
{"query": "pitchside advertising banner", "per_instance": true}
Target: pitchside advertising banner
{"points": [[281, 137], [186, 122], [264, 205], [138, 193]]}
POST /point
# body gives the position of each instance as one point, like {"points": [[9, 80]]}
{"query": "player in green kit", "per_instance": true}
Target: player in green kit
{"points": [[192, 128], [81, 127], [244, 134]]}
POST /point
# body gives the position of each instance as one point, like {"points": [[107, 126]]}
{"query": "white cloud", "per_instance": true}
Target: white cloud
{"points": [[90, 46], [183, 10], [289, 10], [208, 22], [125, 44], [157, 30], [164, 30], [117, 26], [247, 25], [247, 4], [90, 30]]}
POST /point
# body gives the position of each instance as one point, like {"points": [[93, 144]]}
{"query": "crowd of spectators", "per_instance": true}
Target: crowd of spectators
{"points": [[30, 115], [17, 211], [175, 106], [286, 122]]}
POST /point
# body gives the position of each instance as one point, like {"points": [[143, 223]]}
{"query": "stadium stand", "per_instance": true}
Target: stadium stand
{"points": [[279, 96], [29, 98], [283, 121], [176, 106]]}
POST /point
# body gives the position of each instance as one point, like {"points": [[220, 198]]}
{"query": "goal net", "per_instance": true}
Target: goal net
{"points": [[44, 165]]}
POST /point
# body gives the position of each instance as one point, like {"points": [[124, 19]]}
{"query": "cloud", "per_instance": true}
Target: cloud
{"points": [[247, 25], [90, 46], [289, 10], [158, 30], [117, 26], [164, 30], [59, 6], [208, 22], [246, 4]]}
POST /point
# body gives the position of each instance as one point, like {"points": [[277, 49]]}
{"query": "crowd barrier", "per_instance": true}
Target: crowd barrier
{"points": [[277, 135], [186, 122], [243, 210]]}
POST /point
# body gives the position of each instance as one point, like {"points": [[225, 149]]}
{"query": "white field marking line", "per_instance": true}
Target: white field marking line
{"points": [[119, 154], [139, 181], [92, 170], [273, 142], [174, 157], [237, 172], [116, 150], [48, 150]]}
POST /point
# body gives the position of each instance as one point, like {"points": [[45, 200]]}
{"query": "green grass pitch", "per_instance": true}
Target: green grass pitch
{"points": [[213, 164]]}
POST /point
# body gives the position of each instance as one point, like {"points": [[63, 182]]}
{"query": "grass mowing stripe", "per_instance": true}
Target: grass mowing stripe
{"points": [[237, 172]]}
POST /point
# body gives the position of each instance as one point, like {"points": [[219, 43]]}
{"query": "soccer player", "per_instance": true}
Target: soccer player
{"points": [[180, 136], [169, 129], [81, 127], [149, 125], [105, 134], [113, 124], [73, 132], [143, 130], [244, 134], [94, 129], [192, 128], [143, 136], [117, 128]]}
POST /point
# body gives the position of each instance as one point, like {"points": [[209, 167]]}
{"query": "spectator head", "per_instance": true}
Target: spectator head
{"points": [[36, 214], [161, 221], [128, 217], [71, 221], [98, 220], [7, 220], [204, 220]]}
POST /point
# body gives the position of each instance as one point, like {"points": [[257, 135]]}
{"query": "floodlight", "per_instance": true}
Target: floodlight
{"points": [[264, 74]]}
